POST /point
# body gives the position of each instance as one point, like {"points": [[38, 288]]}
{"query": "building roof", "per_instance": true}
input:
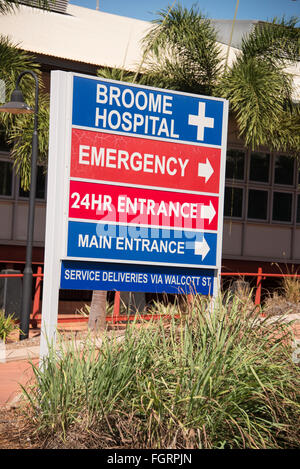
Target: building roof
{"points": [[81, 35], [101, 39], [241, 28]]}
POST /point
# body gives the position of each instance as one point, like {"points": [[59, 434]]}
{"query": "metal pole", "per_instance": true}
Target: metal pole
{"points": [[258, 287], [231, 34], [27, 279], [147, 50], [37, 296]]}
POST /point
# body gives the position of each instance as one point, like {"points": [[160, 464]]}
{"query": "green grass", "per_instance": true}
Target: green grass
{"points": [[216, 378], [7, 325]]}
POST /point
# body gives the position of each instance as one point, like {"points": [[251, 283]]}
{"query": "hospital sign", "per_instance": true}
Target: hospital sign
{"points": [[143, 185]]}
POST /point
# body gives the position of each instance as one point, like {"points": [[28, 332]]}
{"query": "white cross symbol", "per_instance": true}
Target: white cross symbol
{"points": [[200, 121]]}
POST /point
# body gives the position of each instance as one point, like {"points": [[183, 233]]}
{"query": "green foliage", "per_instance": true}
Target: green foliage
{"points": [[286, 136], [19, 128], [20, 136], [215, 378], [165, 309], [260, 90], [9, 6], [277, 42], [117, 74], [290, 286], [13, 61], [7, 325], [257, 94], [182, 52]]}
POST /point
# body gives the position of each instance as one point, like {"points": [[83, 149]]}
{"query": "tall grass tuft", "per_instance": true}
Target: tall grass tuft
{"points": [[286, 298], [291, 289], [7, 325], [217, 377]]}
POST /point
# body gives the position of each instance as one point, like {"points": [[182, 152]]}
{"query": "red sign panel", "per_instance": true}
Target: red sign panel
{"points": [[106, 203], [146, 162]]}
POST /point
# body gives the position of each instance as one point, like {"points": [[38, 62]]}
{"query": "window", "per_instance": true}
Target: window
{"points": [[233, 202], [282, 206], [259, 167], [235, 162], [284, 170], [262, 181], [257, 204], [6, 174], [40, 185]]}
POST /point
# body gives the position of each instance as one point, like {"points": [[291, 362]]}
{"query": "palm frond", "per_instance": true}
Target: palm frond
{"points": [[19, 128], [9, 6], [277, 42], [115, 73], [13, 61], [258, 93], [20, 137], [260, 90], [286, 136], [182, 52]]}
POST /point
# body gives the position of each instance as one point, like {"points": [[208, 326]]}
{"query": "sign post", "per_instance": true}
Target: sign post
{"points": [[135, 190]]}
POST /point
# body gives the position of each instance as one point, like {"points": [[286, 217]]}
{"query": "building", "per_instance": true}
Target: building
{"points": [[262, 200]]}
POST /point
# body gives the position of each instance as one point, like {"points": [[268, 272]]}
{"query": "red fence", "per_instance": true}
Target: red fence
{"points": [[117, 317]]}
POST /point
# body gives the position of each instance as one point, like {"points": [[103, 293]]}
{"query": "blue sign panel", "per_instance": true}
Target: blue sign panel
{"points": [[76, 275], [142, 111], [141, 244]]}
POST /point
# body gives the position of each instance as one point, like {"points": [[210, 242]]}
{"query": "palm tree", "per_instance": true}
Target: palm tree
{"points": [[183, 54], [97, 316], [20, 137], [17, 129], [6, 6], [259, 89]]}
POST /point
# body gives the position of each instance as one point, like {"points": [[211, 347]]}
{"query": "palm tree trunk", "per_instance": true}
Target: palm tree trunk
{"points": [[97, 317]]}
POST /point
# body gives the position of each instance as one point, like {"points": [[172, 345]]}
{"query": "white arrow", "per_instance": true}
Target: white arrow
{"points": [[208, 211], [205, 170], [201, 248]]}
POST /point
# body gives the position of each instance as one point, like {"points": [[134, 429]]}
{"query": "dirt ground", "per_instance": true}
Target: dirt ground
{"points": [[11, 434]]}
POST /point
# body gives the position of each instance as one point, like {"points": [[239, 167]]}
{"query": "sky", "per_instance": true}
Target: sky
{"points": [[216, 9]]}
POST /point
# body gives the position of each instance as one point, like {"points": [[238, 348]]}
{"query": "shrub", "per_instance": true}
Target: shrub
{"points": [[286, 299], [7, 325], [215, 378], [291, 289]]}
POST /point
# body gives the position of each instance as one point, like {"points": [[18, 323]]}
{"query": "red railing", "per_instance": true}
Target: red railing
{"points": [[117, 317], [260, 277]]}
